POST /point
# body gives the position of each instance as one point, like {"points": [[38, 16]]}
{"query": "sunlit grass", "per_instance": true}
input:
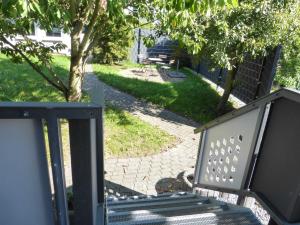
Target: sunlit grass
{"points": [[19, 82], [125, 135]]}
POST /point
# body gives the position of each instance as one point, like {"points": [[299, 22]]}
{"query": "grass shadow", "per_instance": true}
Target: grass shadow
{"points": [[19, 82], [128, 136], [119, 115]]}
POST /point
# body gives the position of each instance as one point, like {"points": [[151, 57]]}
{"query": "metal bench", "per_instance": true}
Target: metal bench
{"points": [[253, 151]]}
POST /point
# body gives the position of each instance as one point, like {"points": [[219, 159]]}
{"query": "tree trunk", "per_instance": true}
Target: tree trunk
{"points": [[76, 70], [79, 45], [227, 90], [75, 82]]}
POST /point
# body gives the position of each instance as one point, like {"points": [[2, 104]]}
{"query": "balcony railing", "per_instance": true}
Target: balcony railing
{"points": [[25, 190], [253, 151]]}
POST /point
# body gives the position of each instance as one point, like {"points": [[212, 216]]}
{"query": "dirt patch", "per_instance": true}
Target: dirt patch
{"points": [[149, 74]]}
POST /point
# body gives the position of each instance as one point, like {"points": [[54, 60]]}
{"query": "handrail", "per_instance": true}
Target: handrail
{"points": [[255, 149], [48, 105], [284, 92]]}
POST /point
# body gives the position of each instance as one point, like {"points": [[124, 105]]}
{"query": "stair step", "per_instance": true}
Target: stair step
{"points": [[145, 198], [155, 203], [187, 209]]}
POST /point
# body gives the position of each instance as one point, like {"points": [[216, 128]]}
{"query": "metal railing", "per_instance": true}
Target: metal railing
{"points": [[241, 153], [250, 152], [24, 164]]}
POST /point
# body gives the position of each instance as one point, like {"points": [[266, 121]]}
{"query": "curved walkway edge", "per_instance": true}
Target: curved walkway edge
{"points": [[150, 174]]}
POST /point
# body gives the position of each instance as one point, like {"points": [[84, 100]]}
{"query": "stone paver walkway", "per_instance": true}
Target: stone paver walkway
{"points": [[151, 174]]}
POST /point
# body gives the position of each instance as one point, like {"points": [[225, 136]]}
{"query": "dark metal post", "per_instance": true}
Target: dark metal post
{"points": [[274, 66], [267, 74], [139, 45], [219, 78], [241, 199], [83, 144], [198, 67], [58, 169], [100, 156], [272, 222]]}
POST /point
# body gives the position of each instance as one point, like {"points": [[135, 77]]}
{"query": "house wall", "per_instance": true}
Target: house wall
{"points": [[41, 35]]}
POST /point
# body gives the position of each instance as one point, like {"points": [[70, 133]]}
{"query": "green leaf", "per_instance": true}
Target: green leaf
{"points": [[221, 3], [234, 3], [178, 4], [35, 6]]}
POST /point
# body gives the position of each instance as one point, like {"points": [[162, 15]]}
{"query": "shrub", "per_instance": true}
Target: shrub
{"points": [[114, 42], [288, 73]]}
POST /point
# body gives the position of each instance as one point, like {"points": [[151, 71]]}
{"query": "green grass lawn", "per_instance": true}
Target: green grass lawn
{"points": [[193, 97], [125, 135], [128, 135], [19, 82]]}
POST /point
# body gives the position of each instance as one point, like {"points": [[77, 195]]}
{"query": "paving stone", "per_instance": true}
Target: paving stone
{"points": [[143, 175]]}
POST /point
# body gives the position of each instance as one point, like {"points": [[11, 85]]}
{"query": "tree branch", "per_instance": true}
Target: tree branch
{"points": [[62, 88], [89, 28], [51, 71], [89, 48], [56, 77], [84, 14], [73, 9]]}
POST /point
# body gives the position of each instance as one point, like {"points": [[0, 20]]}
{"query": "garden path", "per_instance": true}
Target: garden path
{"points": [[149, 174]]}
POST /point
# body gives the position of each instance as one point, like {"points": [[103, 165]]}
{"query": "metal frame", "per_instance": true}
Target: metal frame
{"points": [[255, 76], [286, 93], [251, 157], [86, 127], [199, 156], [275, 217], [265, 103]]}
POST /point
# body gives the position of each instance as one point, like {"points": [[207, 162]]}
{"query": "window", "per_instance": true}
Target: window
{"points": [[55, 32]]}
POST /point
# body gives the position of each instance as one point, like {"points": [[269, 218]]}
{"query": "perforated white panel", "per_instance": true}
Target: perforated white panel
{"points": [[225, 152]]}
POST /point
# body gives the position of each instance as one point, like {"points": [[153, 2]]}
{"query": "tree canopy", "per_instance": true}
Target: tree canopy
{"points": [[225, 37], [222, 30], [113, 43], [81, 20]]}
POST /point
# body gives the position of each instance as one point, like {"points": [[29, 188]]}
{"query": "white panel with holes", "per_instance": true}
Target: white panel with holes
{"points": [[226, 151]]}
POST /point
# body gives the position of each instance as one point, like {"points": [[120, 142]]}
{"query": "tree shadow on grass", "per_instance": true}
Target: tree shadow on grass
{"points": [[121, 117], [19, 82]]}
